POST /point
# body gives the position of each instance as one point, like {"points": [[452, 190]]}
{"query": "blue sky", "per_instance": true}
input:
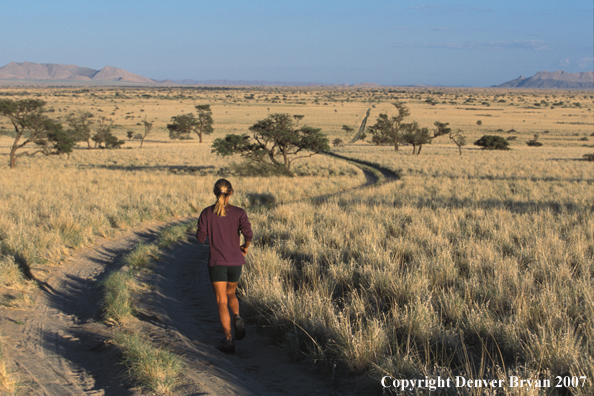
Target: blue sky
{"points": [[390, 42]]}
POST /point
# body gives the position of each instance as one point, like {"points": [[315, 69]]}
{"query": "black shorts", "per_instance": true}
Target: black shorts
{"points": [[225, 273]]}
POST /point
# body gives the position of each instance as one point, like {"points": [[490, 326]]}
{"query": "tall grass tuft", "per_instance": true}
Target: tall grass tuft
{"points": [[142, 256], [173, 234], [153, 368], [117, 302]]}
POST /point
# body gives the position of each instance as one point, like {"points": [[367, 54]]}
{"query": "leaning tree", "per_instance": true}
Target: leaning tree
{"points": [[387, 130], [148, 126], [31, 125], [275, 142]]}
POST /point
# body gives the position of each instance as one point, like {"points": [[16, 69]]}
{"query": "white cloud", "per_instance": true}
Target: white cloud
{"points": [[586, 62], [583, 63]]}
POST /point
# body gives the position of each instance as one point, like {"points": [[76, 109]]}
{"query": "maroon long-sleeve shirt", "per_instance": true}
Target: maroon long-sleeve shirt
{"points": [[223, 235]]}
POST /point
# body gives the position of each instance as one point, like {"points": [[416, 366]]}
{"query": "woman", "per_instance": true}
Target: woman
{"points": [[222, 223]]}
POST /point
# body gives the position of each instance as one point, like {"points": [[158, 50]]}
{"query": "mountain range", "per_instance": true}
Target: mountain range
{"points": [[28, 71], [50, 71], [556, 80]]}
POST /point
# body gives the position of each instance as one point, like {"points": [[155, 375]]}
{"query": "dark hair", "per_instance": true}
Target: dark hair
{"points": [[222, 189]]}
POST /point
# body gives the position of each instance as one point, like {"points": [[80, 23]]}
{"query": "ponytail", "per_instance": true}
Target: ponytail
{"points": [[222, 189]]}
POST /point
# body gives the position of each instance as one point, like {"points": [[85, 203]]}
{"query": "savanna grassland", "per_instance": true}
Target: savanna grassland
{"points": [[477, 264]]}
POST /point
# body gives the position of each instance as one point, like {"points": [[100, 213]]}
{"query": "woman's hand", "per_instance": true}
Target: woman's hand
{"points": [[244, 248]]}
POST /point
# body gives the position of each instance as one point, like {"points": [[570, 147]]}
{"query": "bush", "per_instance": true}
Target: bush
{"points": [[492, 142], [534, 142], [589, 157], [337, 142], [257, 199]]}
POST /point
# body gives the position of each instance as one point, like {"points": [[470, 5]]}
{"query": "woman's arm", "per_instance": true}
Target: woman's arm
{"points": [[202, 228], [244, 247]]}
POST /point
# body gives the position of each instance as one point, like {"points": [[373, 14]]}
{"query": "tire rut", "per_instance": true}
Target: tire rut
{"points": [[61, 347]]}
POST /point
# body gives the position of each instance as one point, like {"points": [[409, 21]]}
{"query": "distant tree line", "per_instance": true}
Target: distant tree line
{"points": [[36, 133], [395, 132]]}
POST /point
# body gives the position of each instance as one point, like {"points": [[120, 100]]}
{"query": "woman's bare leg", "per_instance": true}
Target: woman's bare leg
{"points": [[226, 299]]}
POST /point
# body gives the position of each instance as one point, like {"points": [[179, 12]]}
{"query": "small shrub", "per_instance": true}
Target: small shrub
{"points": [[117, 303], [172, 234], [337, 142], [510, 138], [256, 199], [584, 139], [589, 157], [492, 142], [151, 367], [479, 122], [142, 256], [534, 142]]}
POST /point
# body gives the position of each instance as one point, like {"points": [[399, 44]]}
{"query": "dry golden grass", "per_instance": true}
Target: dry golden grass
{"points": [[329, 108], [50, 205], [9, 382], [485, 255]]}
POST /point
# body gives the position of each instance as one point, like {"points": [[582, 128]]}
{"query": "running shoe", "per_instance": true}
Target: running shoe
{"points": [[226, 346], [239, 327]]}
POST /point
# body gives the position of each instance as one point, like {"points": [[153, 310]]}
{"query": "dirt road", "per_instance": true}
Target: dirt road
{"points": [[60, 347]]}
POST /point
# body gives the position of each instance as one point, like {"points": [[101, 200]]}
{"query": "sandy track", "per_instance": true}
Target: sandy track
{"points": [[61, 347]]}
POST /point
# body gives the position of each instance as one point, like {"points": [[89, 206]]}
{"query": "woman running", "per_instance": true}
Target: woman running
{"points": [[222, 223]]}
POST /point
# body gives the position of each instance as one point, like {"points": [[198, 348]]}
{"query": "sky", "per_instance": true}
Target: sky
{"points": [[390, 42]]}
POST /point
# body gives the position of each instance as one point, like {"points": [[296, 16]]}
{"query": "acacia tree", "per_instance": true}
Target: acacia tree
{"points": [[348, 130], [103, 136], [52, 139], [33, 126], [442, 128], [183, 125], [204, 125], [274, 141], [459, 139], [416, 136], [387, 130], [80, 123], [147, 129]]}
